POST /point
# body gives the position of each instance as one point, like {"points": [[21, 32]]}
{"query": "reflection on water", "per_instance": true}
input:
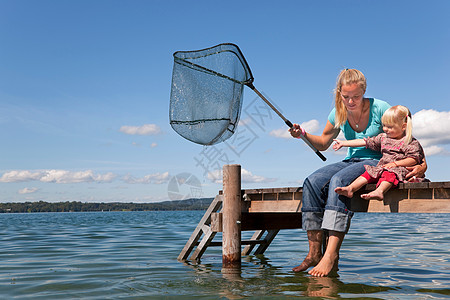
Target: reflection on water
{"points": [[266, 279], [133, 255]]}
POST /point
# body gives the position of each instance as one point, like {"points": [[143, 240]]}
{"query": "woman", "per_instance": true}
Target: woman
{"points": [[322, 208]]}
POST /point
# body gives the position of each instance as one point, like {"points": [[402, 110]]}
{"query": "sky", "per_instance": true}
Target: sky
{"points": [[85, 90]]}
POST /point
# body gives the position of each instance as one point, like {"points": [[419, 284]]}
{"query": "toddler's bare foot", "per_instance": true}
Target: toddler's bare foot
{"points": [[307, 263], [326, 265], [376, 195], [344, 191]]}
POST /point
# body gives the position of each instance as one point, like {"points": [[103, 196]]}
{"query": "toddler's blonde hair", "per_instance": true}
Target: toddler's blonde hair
{"points": [[397, 115]]}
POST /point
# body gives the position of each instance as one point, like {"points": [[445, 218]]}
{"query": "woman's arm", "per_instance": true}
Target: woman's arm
{"points": [[417, 170], [320, 142]]}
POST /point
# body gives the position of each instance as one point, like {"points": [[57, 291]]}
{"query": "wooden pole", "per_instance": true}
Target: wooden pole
{"points": [[231, 211]]}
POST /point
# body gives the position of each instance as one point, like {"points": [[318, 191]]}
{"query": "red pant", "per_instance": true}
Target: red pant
{"points": [[385, 176]]}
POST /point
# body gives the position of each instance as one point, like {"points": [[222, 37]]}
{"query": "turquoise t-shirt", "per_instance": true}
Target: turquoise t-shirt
{"points": [[374, 127]]}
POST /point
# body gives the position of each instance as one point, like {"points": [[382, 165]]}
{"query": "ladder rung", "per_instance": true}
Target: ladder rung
{"points": [[243, 242]]}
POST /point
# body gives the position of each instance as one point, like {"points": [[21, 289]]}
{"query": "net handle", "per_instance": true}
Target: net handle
{"points": [[288, 123]]}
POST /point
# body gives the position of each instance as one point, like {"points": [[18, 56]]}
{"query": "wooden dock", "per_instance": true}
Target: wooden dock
{"points": [[269, 210]]}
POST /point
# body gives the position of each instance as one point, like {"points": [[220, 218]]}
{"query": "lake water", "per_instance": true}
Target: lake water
{"points": [[133, 255]]}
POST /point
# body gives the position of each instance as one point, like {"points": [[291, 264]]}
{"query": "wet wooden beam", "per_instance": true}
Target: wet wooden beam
{"points": [[261, 221]]}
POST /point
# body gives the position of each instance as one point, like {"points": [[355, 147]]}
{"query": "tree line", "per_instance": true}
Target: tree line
{"points": [[77, 206]]}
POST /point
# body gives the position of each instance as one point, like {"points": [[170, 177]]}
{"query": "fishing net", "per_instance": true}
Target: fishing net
{"points": [[207, 91]]}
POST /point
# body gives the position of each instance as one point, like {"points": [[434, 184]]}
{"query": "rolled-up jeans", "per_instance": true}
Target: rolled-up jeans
{"points": [[322, 207]]}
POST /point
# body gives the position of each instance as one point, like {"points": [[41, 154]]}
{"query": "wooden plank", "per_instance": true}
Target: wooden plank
{"points": [[271, 220], [442, 193], [445, 184], [272, 190], [243, 242], [424, 206], [410, 206], [414, 185], [275, 206], [263, 221], [216, 222], [421, 193], [358, 204]]}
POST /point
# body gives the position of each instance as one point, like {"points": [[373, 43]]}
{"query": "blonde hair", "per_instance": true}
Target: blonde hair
{"points": [[397, 115], [346, 77]]}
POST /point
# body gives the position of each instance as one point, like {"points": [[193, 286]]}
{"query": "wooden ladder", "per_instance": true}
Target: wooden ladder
{"points": [[205, 229]]}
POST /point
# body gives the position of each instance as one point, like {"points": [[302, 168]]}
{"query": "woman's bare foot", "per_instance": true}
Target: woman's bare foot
{"points": [[376, 195], [307, 263], [326, 265], [344, 191]]}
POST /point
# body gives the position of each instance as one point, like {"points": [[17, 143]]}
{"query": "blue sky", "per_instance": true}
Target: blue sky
{"points": [[85, 90]]}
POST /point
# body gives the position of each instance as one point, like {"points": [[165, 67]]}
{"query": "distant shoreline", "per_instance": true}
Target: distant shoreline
{"points": [[77, 206]]}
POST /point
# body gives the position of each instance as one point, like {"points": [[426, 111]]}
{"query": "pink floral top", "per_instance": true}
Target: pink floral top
{"points": [[393, 150]]}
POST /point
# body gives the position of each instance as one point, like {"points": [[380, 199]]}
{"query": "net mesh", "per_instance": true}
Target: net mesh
{"points": [[206, 94]]}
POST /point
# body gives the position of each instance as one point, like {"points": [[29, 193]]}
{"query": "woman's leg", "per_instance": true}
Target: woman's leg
{"points": [[314, 255], [337, 215], [313, 205], [329, 261]]}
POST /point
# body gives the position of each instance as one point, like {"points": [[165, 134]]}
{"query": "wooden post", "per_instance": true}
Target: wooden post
{"points": [[231, 210]]}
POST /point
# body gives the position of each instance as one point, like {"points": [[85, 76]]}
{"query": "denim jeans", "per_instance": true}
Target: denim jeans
{"points": [[322, 207]]}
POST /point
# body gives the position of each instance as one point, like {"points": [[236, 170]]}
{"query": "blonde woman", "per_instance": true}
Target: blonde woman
{"points": [[322, 208], [399, 149]]}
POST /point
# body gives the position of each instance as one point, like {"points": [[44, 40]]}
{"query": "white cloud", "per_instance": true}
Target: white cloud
{"points": [[28, 190], [157, 178], [56, 176], [18, 176], [310, 126], [434, 150], [147, 129], [215, 176], [432, 129], [62, 176], [153, 145], [246, 177]]}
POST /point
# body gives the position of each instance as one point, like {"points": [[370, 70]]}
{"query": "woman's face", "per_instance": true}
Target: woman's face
{"points": [[352, 96]]}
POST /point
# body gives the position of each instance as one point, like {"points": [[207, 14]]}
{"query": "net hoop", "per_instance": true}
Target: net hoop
{"points": [[180, 57]]}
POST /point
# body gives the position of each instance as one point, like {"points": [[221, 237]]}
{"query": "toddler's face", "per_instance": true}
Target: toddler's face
{"points": [[394, 131]]}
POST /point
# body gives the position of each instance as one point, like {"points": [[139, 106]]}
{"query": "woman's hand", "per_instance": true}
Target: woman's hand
{"points": [[296, 131], [415, 171]]}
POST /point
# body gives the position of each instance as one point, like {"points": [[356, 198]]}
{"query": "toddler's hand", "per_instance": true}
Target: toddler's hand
{"points": [[390, 165], [337, 145]]}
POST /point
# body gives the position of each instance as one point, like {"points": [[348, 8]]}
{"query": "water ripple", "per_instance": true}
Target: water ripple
{"points": [[133, 255]]}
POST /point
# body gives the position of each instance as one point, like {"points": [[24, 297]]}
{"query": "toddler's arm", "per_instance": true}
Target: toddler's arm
{"points": [[406, 162], [350, 143]]}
